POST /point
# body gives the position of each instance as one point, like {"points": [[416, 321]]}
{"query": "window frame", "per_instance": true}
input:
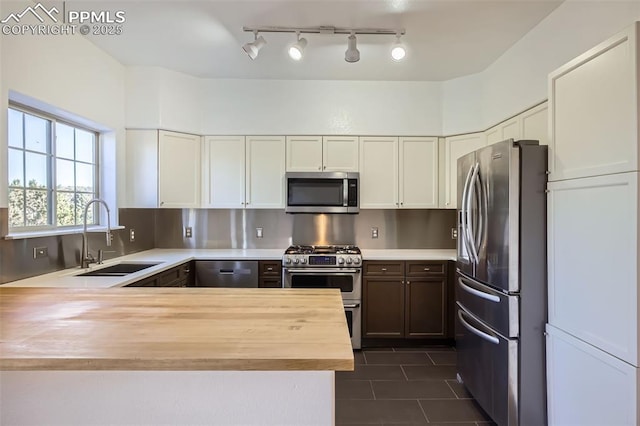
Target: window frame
{"points": [[51, 177]]}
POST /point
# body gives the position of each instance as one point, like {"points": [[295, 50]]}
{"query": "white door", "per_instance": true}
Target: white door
{"points": [[535, 124], [418, 172], [586, 386], [594, 111], [265, 168], [304, 153], [340, 153], [455, 147], [178, 170], [378, 172], [592, 263], [223, 172]]}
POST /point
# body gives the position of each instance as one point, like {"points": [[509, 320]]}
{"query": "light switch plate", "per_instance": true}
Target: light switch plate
{"points": [[132, 235], [374, 232], [454, 233], [188, 232], [259, 233]]}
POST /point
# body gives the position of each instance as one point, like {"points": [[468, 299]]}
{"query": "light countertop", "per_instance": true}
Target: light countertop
{"points": [[173, 329], [169, 258]]}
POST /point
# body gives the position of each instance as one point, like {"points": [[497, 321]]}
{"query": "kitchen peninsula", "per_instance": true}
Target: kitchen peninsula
{"points": [[170, 356]]}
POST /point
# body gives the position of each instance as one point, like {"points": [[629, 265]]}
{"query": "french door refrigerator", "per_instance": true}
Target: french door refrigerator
{"points": [[501, 280]]}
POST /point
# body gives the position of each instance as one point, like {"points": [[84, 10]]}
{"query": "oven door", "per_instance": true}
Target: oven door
{"points": [[348, 281], [353, 312]]}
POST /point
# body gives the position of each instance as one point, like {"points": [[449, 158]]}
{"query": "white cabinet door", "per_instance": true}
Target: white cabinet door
{"points": [[592, 261], [178, 170], [454, 148], [418, 172], [493, 135], [586, 386], [340, 153], [304, 153], [535, 124], [378, 172], [223, 172], [142, 168], [265, 163], [511, 129], [593, 103]]}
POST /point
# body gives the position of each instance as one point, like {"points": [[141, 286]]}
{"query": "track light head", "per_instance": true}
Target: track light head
{"points": [[296, 50], [352, 54], [398, 51], [254, 47]]}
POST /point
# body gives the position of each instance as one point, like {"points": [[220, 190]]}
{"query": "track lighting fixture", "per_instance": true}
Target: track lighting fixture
{"points": [[352, 54], [398, 51], [254, 47], [296, 50]]}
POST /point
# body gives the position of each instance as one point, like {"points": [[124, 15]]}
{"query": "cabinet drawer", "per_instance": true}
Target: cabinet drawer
{"points": [[425, 269], [270, 268], [270, 282], [166, 278], [146, 282], [383, 268]]}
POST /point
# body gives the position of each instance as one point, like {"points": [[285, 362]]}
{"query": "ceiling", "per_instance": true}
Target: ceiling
{"points": [[445, 39]]}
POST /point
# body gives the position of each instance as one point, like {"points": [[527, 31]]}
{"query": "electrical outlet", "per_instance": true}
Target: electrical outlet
{"points": [[259, 233], [132, 235], [374, 232], [454, 233], [188, 232], [39, 252]]}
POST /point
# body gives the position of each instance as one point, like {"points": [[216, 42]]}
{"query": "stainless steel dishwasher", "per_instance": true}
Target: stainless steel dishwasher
{"points": [[226, 273]]}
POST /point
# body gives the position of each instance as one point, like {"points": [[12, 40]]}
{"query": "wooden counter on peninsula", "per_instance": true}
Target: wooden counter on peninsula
{"points": [[170, 355]]}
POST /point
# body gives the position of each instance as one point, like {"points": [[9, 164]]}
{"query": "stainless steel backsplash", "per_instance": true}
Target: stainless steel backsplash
{"points": [[229, 228]]}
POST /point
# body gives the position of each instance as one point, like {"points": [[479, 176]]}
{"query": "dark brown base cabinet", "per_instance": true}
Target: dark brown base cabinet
{"points": [[180, 276], [405, 299], [270, 274]]}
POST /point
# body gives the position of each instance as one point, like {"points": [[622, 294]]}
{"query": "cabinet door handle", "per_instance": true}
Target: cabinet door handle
{"points": [[319, 168], [186, 271], [269, 269], [427, 269], [162, 203], [324, 167], [384, 269], [408, 282]]}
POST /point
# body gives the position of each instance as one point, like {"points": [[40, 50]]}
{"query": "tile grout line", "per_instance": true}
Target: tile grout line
{"points": [[423, 412], [452, 390], [404, 373], [373, 392]]}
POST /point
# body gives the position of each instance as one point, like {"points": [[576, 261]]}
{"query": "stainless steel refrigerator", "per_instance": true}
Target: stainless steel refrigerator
{"points": [[501, 303]]}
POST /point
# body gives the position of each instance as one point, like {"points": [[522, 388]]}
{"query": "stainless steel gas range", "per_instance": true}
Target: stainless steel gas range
{"points": [[332, 266]]}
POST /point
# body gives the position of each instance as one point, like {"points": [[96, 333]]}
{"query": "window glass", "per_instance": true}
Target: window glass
{"points": [[64, 175], [16, 167], [64, 141], [85, 146], [36, 133], [15, 129], [37, 170], [36, 207]]}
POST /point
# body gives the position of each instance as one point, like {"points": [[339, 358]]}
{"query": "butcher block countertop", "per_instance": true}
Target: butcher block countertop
{"points": [[173, 329]]}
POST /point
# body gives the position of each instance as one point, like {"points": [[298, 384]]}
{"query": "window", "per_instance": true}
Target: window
{"points": [[53, 169]]}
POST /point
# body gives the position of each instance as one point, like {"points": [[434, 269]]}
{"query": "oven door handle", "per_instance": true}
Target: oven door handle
{"points": [[352, 306], [321, 271]]}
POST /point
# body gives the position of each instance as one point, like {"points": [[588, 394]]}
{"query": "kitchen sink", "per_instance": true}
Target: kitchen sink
{"points": [[117, 270]]}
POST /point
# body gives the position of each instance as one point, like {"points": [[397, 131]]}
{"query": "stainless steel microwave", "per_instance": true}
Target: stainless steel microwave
{"points": [[322, 192]]}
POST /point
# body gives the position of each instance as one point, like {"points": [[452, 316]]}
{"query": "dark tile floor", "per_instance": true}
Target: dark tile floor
{"points": [[405, 386]]}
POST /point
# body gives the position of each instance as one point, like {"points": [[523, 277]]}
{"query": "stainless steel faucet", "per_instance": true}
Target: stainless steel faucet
{"points": [[87, 258]]}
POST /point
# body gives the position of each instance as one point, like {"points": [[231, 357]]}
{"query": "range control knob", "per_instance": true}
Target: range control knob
{"points": [[340, 260], [287, 261], [356, 260], [349, 260], [303, 260], [296, 261]]}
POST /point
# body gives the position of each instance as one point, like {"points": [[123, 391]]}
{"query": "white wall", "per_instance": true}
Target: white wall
{"points": [[160, 98], [66, 72], [462, 105]]}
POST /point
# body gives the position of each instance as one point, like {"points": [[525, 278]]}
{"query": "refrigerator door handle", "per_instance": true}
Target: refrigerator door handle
{"points": [[480, 215], [477, 332], [463, 213], [469, 215], [481, 294]]}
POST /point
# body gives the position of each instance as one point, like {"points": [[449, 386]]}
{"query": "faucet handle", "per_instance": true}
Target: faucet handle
{"points": [[101, 255], [109, 238]]}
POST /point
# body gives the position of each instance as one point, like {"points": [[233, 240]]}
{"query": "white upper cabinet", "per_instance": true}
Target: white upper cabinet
{"points": [[454, 148], [265, 168], [593, 102], [178, 170], [304, 153], [512, 128], [322, 153], [142, 168], [418, 172], [223, 172], [340, 154], [535, 124], [378, 172], [493, 135]]}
